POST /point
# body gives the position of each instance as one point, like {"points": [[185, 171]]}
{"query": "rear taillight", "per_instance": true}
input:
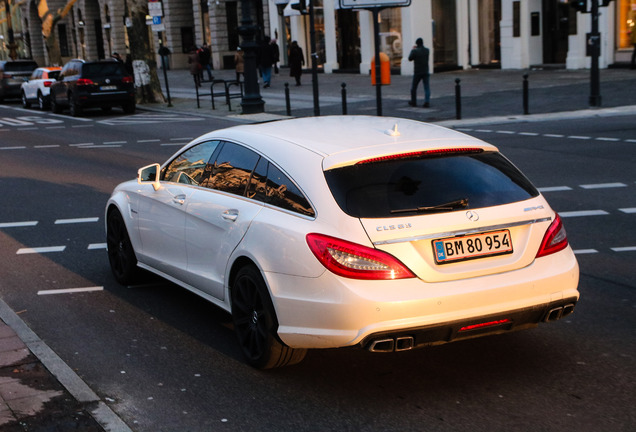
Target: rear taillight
{"points": [[555, 238], [47, 83], [127, 80], [85, 81], [355, 261]]}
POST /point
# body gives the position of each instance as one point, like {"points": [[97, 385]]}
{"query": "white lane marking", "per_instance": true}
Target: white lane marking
{"points": [[172, 144], [100, 146], [505, 132], [483, 130], [148, 140], [83, 126], [628, 210], [579, 137], [630, 140], [77, 220], [18, 224], [94, 246], [47, 146], [555, 189], [82, 144], [607, 139], [13, 148], [603, 185], [529, 133], [36, 250], [583, 213], [70, 290], [114, 142], [184, 138], [584, 251], [625, 249], [553, 135]]}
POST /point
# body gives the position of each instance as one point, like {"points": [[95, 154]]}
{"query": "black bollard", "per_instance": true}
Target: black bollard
{"points": [[344, 98], [525, 94], [458, 99], [287, 101]]}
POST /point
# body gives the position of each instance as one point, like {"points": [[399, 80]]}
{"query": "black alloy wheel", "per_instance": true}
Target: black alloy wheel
{"points": [[25, 101], [121, 255], [41, 101], [55, 107], [255, 323], [74, 108]]}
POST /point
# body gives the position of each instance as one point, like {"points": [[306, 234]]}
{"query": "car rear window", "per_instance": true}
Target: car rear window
{"points": [[54, 74], [403, 187], [91, 70], [20, 66]]}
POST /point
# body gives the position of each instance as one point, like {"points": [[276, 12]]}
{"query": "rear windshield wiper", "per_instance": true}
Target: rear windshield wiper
{"points": [[462, 203]]}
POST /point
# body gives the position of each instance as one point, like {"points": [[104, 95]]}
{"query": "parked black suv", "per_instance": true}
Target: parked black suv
{"points": [[12, 74], [87, 84]]}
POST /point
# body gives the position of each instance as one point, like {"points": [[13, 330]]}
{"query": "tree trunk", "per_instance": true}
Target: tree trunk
{"points": [[53, 50], [144, 63]]}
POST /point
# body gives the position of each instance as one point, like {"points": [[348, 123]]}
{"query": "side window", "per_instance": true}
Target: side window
{"points": [[281, 192], [192, 166], [232, 169], [270, 185]]}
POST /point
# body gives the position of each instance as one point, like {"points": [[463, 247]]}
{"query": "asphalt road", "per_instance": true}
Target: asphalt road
{"points": [[164, 360]]}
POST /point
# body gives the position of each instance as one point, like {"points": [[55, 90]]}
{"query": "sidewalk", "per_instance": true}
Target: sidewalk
{"points": [[486, 93], [39, 392]]}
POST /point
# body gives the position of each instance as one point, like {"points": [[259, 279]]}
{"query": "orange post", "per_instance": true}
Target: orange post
{"points": [[385, 70]]}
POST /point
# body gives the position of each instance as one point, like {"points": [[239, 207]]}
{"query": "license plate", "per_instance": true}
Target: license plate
{"points": [[462, 248], [110, 87]]}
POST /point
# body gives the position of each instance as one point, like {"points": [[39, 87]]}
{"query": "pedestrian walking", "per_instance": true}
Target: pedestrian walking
{"points": [[205, 55], [195, 66], [419, 56], [296, 61], [239, 63], [275, 53], [266, 60]]}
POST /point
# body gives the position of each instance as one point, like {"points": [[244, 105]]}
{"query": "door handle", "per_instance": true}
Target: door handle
{"points": [[230, 215], [179, 199]]}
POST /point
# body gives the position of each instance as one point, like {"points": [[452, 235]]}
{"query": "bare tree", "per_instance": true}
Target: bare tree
{"points": [[143, 58], [49, 19]]}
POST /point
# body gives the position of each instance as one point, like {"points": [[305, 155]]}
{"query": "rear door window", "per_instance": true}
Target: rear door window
{"points": [[404, 187]]}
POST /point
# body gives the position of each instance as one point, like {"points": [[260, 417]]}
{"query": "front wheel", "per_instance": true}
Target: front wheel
{"points": [[41, 102], [55, 107], [74, 108], [255, 323], [121, 255], [25, 101]]}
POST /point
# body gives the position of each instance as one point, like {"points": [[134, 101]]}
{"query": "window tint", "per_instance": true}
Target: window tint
{"points": [[20, 66], [232, 169], [191, 166], [103, 69], [270, 185], [374, 190], [53, 74]]}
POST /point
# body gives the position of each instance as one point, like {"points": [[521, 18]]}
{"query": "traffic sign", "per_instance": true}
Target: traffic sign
{"points": [[365, 4]]}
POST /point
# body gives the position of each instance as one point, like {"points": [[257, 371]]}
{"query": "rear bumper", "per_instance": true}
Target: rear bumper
{"points": [[470, 328], [105, 99], [331, 312]]}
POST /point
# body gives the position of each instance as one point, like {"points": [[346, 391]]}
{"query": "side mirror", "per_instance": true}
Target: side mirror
{"points": [[149, 174]]}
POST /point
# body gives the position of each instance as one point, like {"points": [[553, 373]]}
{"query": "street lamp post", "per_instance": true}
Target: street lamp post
{"points": [[251, 103]]}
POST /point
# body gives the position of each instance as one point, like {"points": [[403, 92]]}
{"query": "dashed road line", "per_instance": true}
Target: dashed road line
{"points": [[624, 249], [555, 189], [39, 250], [76, 220], [603, 185], [18, 224], [582, 213], [70, 290], [629, 210], [584, 251], [95, 246]]}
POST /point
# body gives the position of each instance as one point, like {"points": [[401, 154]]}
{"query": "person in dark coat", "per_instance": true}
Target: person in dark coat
{"points": [[419, 56], [296, 61], [205, 55], [266, 60], [195, 66]]}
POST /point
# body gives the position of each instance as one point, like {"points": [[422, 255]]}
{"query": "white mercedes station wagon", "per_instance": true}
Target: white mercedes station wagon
{"points": [[322, 232]]}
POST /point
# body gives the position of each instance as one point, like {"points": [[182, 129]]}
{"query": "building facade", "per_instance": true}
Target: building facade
{"points": [[462, 34]]}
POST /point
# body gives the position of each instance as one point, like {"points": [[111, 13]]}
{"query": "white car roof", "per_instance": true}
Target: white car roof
{"points": [[344, 140]]}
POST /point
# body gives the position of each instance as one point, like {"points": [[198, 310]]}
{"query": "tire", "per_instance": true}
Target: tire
{"points": [[42, 102], [255, 323], [74, 108], [25, 101], [129, 107], [121, 255], [55, 107]]}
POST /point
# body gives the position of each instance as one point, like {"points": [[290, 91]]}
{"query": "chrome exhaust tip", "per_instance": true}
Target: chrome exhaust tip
{"points": [[382, 345], [404, 343], [567, 310]]}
